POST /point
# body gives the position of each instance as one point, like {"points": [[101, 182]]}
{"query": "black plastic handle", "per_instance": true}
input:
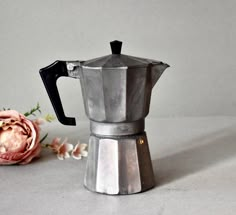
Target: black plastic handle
{"points": [[49, 75]]}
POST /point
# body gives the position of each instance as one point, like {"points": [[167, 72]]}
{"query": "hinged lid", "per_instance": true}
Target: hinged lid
{"points": [[116, 59]]}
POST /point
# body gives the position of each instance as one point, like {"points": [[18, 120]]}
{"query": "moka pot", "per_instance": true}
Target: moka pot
{"points": [[116, 92]]}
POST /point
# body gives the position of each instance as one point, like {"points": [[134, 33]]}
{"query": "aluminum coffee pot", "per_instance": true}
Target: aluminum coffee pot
{"points": [[116, 91]]}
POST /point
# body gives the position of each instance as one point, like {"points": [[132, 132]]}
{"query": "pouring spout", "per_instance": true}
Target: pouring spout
{"points": [[157, 71]]}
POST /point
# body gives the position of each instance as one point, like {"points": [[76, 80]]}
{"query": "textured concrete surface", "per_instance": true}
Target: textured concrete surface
{"points": [[195, 170]]}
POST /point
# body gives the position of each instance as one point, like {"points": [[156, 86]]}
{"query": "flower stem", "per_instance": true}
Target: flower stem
{"points": [[33, 110], [46, 145], [45, 136]]}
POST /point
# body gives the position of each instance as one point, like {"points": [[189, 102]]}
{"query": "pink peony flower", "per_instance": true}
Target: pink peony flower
{"points": [[19, 138], [80, 151], [62, 149]]}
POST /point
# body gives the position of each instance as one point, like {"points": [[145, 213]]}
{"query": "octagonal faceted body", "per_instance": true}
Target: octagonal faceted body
{"points": [[119, 165], [116, 94]]}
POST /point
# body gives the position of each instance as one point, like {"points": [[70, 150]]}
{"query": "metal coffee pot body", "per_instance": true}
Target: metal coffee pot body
{"points": [[116, 91]]}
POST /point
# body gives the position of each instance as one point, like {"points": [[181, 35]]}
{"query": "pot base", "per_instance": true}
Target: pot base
{"points": [[119, 165]]}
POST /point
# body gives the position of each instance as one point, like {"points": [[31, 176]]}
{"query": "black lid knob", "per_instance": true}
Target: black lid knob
{"points": [[116, 46]]}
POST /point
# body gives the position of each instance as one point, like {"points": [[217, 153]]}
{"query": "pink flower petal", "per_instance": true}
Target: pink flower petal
{"points": [[2, 149], [10, 114], [55, 144], [20, 138]]}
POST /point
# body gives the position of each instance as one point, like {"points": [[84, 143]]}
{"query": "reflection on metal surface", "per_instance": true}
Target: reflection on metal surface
{"points": [[119, 165], [117, 129]]}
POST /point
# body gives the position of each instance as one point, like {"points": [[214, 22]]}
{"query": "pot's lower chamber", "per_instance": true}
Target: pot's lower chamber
{"points": [[119, 164]]}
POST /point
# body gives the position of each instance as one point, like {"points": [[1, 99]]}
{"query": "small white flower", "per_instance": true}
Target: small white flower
{"points": [[80, 151], [62, 149], [49, 118]]}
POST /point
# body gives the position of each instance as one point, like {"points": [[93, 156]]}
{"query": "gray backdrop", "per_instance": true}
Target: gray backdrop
{"points": [[197, 38]]}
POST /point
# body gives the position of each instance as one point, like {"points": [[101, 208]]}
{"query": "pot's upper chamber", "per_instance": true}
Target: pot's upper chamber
{"points": [[117, 87]]}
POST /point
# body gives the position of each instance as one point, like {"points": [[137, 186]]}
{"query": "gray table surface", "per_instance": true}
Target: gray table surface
{"points": [[193, 158]]}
